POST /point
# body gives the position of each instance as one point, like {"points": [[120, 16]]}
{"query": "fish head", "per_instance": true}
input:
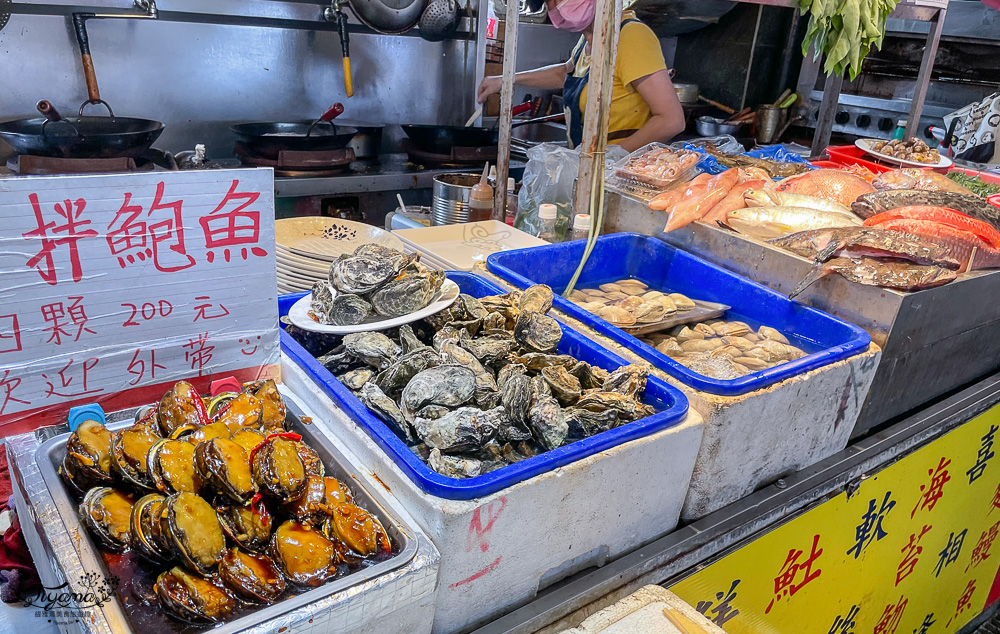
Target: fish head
{"points": [[755, 197]]}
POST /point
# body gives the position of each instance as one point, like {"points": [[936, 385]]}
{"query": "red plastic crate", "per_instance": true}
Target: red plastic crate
{"points": [[853, 155]]}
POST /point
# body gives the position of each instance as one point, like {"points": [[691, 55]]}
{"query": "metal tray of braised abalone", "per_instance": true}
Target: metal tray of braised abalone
{"points": [[136, 609]]}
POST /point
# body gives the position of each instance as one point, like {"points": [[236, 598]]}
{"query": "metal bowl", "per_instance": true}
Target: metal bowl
{"points": [[710, 126]]}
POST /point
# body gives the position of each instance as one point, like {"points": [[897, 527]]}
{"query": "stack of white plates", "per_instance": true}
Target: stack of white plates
{"points": [[306, 247]]}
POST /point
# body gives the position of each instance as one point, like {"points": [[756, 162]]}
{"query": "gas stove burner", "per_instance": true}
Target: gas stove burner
{"points": [[294, 163], [458, 157], [25, 164]]}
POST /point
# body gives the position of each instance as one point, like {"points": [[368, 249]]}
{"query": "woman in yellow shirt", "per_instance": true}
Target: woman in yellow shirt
{"points": [[644, 105]]}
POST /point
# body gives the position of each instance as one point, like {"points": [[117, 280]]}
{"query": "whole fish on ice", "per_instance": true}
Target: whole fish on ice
{"points": [[773, 222]]}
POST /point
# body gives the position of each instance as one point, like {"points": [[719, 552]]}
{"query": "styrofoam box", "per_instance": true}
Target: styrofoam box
{"points": [[500, 550], [402, 600]]}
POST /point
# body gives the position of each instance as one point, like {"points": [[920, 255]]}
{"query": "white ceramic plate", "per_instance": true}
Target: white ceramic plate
{"points": [[296, 274], [461, 246], [866, 146], [292, 260], [299, 314], [323, 238]]}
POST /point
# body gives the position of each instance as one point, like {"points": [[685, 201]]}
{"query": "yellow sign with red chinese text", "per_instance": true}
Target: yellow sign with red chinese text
{"points": [[912, 550]]}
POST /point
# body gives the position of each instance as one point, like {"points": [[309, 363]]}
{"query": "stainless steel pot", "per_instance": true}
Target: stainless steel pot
{"points": [[686, 93]]}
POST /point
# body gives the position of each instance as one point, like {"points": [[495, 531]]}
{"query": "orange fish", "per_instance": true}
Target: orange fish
{"points": [[696, 207], [733, 200], [956, 219], [671, 197], [837, 185], [960, 244]]}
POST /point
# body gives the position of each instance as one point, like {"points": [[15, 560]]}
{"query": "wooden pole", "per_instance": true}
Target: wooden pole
{"points": [[607, 24], [506, 108]]}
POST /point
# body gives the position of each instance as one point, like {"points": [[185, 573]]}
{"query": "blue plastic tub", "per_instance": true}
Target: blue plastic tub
{"points": [[664, 268], [670, 403]]}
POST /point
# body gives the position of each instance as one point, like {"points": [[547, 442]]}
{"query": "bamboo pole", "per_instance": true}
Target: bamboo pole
{"points": [[506, 107], [607, 24]]}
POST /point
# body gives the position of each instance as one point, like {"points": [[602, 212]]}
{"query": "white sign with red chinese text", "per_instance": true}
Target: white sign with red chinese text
{"points": [[112, 287]]}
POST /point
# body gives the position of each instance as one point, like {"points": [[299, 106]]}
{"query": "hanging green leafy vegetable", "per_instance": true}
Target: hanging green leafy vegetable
{"points": [[845, 31]]}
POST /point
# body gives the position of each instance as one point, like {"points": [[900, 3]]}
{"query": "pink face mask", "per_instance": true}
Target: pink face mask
{"points": [[573, 15]]}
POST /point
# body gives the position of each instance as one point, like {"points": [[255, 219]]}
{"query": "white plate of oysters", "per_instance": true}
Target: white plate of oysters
{"points": [[374, 288], [301, 314]]}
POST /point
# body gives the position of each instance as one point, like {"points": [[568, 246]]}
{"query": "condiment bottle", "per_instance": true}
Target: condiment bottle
{"points": [[547, 222], [581, 227], [511, 202], [481, 199]]}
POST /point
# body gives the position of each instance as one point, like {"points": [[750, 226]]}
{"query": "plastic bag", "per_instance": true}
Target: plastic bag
{"points": [[549, 177], [725, 143], [708, 163], [977, 130]]}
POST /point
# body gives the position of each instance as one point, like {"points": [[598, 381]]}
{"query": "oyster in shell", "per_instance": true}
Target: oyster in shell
{"points": [[547, 421], [516, 395], [407, 294], [448, 385], [535, 299], [537, 332], [348, 310], [355, 379], [564, 386], [386, 409], [627, 409], [455, 467], [362, 274], [373, 348], [584, 423], [462, 430], [629, 380], [396, 376]]}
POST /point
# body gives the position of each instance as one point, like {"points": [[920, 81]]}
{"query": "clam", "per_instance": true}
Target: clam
{"points": [[144, 529], [705, 329], [278, 469], [670, 347], [170, 464], [191, 598], [740, 342], [107, 513], [701, 345], [129, 449], [731, 329], [359, 530], [616, 315], [273, 408], [630, 303], [752, 363], [248, 526], [766, 332], [649, 312], [669, 306], [88, 455], [304, 554], [224, 467], [190, 526], [246, 410], [685, 333], [181, 409], [682, 302], [726, 351], [253, 577], [652, 295]]}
